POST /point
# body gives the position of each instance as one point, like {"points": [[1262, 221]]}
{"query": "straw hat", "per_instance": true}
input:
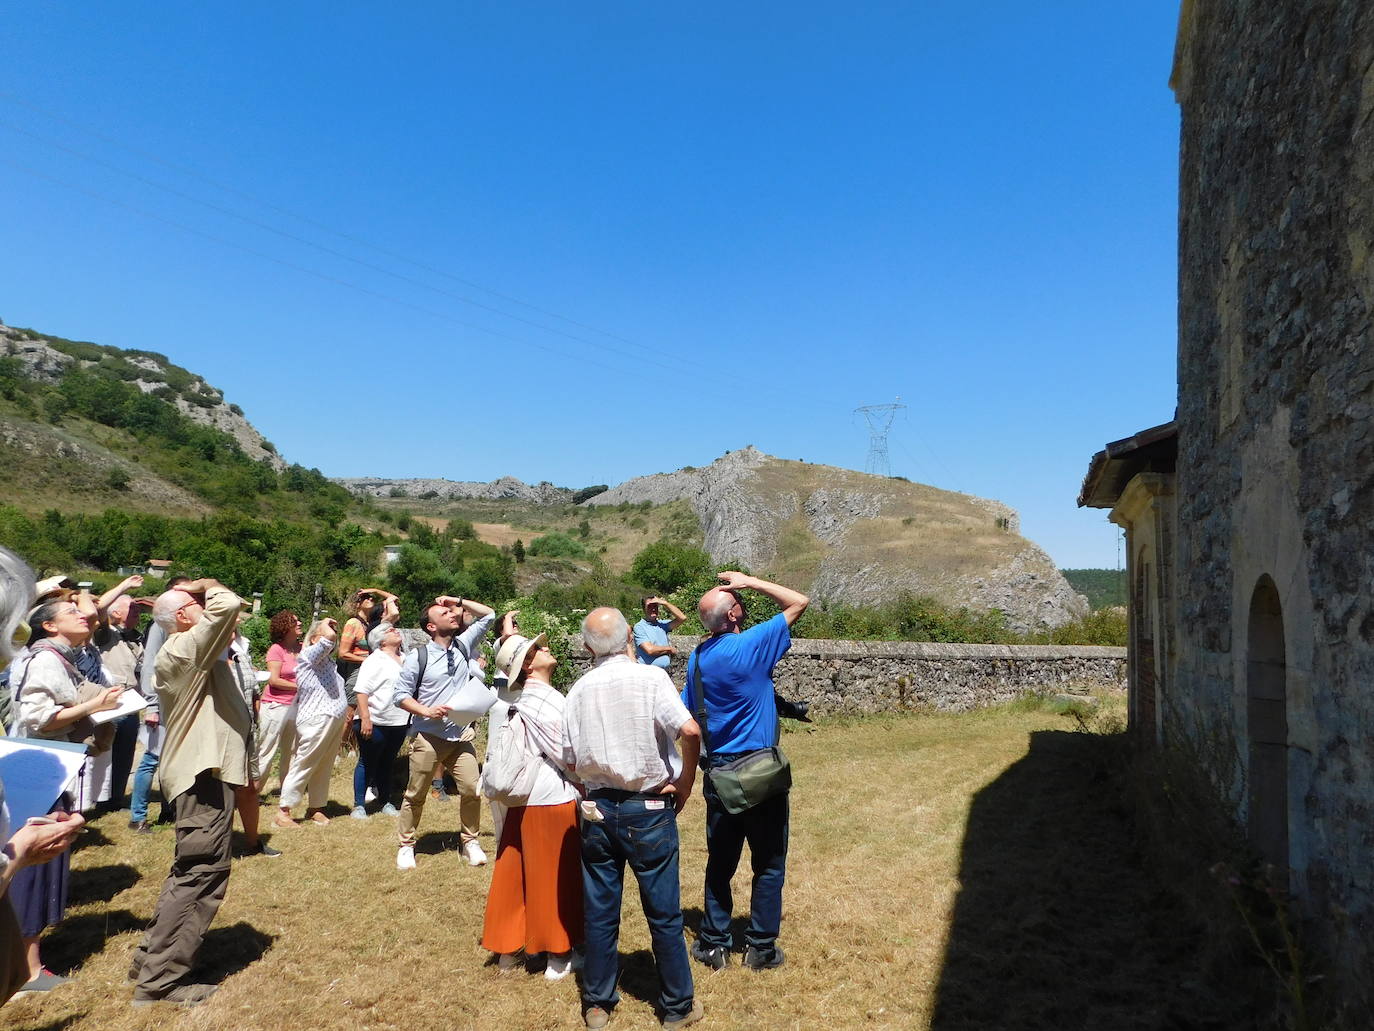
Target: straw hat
{"points": [[510, 657]]}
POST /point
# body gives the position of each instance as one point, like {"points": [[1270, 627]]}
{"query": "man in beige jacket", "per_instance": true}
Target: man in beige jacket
{"points": [[204, 757]]}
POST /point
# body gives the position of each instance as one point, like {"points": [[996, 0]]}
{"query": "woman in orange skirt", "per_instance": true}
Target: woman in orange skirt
{"points": [[535, 901]]}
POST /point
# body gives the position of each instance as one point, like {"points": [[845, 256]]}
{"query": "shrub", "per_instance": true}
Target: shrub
{"points": [[666, 565], [557, 545]]}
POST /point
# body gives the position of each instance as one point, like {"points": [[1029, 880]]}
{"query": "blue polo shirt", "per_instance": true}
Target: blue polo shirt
{"points": [[648, 631], [737, 681]]}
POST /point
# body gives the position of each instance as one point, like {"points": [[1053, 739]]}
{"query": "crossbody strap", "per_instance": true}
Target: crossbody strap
{"points": [[699, 699]]}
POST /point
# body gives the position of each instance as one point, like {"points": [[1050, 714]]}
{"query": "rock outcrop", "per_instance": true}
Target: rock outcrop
{"points": [[46, 363], [874, 537], [544, 493]]}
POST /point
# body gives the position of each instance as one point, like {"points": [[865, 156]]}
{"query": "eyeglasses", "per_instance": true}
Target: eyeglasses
{"points": [[452, 666]]}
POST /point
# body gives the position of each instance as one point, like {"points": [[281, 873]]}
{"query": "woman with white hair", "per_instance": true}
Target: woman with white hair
{"points": [[320, 708], [380, 728], [535, 901], [53, 701], [32, 847]]}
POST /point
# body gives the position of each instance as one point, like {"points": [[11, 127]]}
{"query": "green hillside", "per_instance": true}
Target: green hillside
{"points": [[1102, 587]]}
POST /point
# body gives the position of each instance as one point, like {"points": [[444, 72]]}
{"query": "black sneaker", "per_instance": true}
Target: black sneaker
{"points": [[763, 959], [717, 957]]}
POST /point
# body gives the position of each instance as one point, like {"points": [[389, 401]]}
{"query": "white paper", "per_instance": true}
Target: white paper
{"points": [[471, 701], [34, 773], [150, 737], [129, 702]]}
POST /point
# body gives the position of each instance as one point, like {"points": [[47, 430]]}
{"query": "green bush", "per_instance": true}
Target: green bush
{"points": [[557, 545], [666, 565]]}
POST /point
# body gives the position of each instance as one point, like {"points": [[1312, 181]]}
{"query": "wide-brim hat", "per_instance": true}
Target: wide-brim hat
{"points": [[510, 657], [52, 587]]}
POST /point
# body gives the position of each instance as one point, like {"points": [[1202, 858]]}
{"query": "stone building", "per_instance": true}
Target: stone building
{"points": [[1250, 518]]}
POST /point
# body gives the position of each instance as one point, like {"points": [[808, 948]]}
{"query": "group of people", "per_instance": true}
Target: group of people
{"points": [[613, 764]]}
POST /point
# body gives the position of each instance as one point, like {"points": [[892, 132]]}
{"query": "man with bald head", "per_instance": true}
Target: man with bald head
{"points": [[736, 669], [204, 757], [620, 724]]}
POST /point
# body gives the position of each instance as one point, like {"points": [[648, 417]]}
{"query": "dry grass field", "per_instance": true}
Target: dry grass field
{"points": [[948, 872]]}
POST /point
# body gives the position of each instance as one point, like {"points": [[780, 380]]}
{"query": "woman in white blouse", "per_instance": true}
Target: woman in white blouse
{"points": [[535, 901], [380, 728], [47, 689], [320, 708]]}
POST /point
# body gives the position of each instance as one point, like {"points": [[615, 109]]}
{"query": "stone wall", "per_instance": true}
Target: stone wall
{"points": [[1276, 420], [864, 677]]}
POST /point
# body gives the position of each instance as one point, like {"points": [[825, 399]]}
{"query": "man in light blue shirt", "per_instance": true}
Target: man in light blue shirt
{"points": [[651, 633], [428, 696]]}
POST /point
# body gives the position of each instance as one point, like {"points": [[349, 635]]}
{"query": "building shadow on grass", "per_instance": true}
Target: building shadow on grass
{"points": [[78, 938], [1058, 925], [100, 883], [227, 950]]}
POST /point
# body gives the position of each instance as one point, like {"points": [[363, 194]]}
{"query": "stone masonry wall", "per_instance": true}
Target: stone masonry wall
{"points": [[1276, 415], [865, 677]]}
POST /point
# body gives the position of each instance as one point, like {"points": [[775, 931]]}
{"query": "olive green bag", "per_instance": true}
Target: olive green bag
{"points": [[755, 776]]}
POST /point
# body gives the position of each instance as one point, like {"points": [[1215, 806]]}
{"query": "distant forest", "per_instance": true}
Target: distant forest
{"points": [[1103, 587]]}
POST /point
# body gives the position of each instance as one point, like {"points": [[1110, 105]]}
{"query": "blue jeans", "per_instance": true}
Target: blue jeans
{"points": [[765, 828], [143, 787], [376, 760], [646, 839]]}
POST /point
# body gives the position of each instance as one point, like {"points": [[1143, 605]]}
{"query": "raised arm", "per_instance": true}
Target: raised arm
{"points": [[679, 617], [103, 603], [793, 603]]}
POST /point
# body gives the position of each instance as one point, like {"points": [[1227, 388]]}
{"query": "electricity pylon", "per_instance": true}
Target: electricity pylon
{"points": [[879, 419]]}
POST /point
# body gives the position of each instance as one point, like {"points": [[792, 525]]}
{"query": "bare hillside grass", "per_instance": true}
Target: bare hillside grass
{"points": [[948, 872], [942, 533]]}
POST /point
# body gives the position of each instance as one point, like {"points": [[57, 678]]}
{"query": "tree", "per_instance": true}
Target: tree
{"points": [[518, 550], [666, 565], [118, 478]]}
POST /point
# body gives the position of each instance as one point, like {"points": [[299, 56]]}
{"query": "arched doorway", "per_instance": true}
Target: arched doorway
{"points": [[1266, 688], [1143, 633]]}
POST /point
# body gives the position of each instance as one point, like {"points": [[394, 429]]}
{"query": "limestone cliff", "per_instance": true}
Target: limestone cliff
{"points": [[859, 539]]}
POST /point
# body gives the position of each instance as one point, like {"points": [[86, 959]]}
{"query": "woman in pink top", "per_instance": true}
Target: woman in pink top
{"points": [[277, 709]]}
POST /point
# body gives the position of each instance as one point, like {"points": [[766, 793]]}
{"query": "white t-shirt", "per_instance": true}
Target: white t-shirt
{"points": [[377, 679], [542, 709]]}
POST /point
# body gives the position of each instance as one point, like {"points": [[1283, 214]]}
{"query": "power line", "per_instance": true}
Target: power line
{"points": [[282, 262], [224, 187], [657, 355]]}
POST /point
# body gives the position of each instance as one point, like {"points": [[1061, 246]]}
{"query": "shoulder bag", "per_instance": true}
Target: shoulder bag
{"points": [[755, 776]]}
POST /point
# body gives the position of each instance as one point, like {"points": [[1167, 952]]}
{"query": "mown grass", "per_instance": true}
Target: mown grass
{"points": [[946, 871]]}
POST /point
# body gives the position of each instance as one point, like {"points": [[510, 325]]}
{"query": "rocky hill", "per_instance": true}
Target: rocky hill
{"points": [[46, 358], [506, 488], [860, 539]]}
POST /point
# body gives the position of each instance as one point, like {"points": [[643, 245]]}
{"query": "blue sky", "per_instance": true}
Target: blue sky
{"points": [[587, 242]]}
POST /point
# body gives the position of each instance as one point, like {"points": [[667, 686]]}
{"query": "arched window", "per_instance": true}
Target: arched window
{"points": [[1266, 689]]}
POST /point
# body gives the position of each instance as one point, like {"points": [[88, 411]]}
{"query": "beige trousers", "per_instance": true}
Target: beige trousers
{"points": [[460, 759]]}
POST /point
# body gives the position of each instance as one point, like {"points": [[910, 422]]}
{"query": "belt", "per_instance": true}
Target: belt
{"points": [[616, 795]]}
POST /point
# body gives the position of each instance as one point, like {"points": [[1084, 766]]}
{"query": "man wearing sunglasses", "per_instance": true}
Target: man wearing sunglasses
{"points": [[423, 692]]}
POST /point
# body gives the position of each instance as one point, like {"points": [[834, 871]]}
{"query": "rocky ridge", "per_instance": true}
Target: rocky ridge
{"points": [[744, 500], [507, 487], [46, 364]]}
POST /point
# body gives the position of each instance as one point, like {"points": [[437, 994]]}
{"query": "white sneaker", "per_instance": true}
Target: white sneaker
{"points": [[405, 858], [558, 966], [510, 962], [473, 853], [370, 795]]}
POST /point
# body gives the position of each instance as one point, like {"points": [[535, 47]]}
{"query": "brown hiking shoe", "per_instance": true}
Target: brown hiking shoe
{"points": [[179, 995], [595, 1018], [673, 1023]]}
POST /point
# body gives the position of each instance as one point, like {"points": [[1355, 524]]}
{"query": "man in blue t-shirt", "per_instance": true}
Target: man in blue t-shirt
{"points": [[737, 685], [651, 633]]}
